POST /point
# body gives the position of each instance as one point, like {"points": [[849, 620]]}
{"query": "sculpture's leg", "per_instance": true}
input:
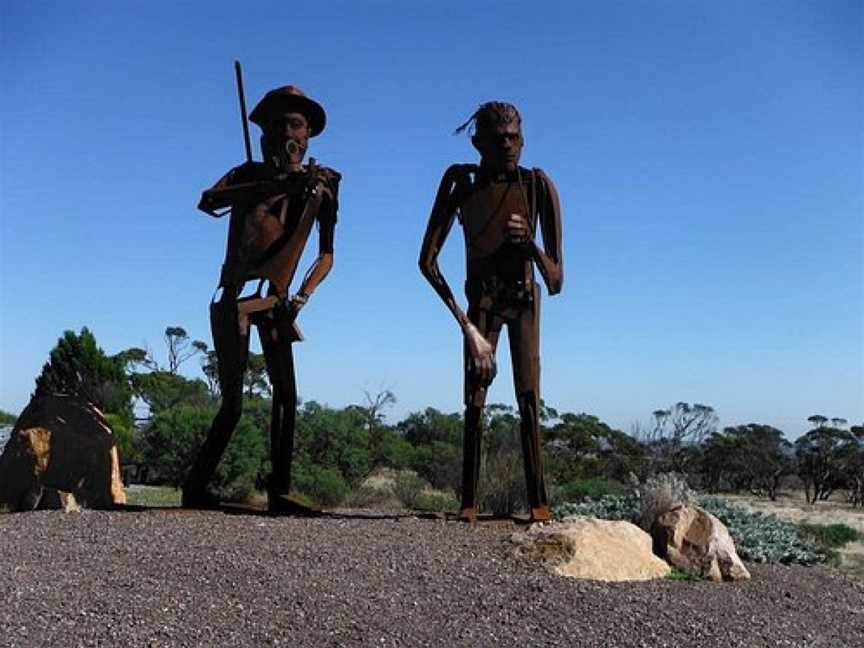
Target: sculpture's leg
{"points": [[524, 336], [475, 399], [278, 354], [232, 350]]}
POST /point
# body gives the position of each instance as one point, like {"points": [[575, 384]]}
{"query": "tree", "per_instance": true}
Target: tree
{"points": [[677, 432], [180, 347], [374, 413], [78, 367], [7, 418], [210, 368], [818, 420], [170, 443], [820, 456], [161, 390], [749, 457], [255, 380]]}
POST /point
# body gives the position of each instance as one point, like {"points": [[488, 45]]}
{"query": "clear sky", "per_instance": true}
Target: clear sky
{"points": [[709, 158]]}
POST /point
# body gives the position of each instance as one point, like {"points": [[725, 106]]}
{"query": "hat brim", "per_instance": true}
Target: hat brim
{"points": [[273, 104]]}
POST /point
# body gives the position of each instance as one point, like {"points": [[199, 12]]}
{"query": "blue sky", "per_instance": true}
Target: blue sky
{"points": [[709, 157]]}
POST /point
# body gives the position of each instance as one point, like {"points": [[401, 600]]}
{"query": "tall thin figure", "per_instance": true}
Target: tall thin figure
{"points": [[500, 206], [274, 205]]}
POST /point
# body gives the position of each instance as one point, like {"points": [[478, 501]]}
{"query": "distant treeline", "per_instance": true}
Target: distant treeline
{"points": [[337, 449]]}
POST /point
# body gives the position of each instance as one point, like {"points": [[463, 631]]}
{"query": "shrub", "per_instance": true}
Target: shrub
{"points": [[831, 535], [436, 501], [581, 489], [660, 494], [368, 496], [502, 486], [765, 538], [609, 507], [758, 537], [323, 485], [408, 487]]}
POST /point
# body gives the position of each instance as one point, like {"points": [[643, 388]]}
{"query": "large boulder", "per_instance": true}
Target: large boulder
{"points": [[697, 542], [593, 549], [60, 444]]}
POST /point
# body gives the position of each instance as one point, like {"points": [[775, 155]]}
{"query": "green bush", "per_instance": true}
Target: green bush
{"points": [[366, 496], [765, 538], [593, 488], [833, 536], [436, 501], [171, 442], [408, 487], [758, 537], [323, 485], [608, 507], [502, 483]]}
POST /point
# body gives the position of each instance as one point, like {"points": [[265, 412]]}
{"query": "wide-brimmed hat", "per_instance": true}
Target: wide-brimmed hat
{"points": [[289, 99]]}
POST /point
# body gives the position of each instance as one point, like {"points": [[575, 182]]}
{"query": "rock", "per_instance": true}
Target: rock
{"points": [[593, 549], [697, 542], [60, 444]]}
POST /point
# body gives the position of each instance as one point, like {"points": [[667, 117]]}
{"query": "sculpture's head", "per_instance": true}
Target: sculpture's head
{"points": [[288, 118], [497, 135]]}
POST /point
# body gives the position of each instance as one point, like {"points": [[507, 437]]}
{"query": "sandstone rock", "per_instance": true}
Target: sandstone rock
{"points": [[697, 542], [593, 549], [60, 444]]}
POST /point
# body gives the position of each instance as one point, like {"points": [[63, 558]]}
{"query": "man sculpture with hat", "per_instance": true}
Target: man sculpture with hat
{"points": [[273, 205], [500, 206]]}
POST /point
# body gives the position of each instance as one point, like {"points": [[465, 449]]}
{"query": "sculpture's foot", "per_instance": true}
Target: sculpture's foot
{"points": [[468, 514], [541, 514], [199, 499], [285, 504]]}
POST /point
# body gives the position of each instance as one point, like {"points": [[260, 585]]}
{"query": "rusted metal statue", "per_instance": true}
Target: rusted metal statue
{"points": [[499, 205], [273, 205]]}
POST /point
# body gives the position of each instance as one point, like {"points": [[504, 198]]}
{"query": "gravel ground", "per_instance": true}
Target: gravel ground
{"points": [[162, 578]]}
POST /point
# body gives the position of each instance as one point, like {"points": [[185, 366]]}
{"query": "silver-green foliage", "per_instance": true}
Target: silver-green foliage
{"points": [[758, 537], [660, 494], [763, 537], [608, 507]]}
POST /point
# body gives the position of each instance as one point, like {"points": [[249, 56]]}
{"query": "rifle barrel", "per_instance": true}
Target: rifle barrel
{"points": [[239, 74]]}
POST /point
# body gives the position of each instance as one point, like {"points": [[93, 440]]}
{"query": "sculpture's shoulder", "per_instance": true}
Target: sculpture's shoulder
{"points": [[461, 174], [543, 178], [243, 173]]}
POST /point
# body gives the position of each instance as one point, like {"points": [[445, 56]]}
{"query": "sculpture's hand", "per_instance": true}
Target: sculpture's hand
{"points": [[517, 229], [296, 304], [482, 354]]}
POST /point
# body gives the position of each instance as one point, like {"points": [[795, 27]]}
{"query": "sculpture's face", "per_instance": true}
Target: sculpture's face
{"points": [[286, 139], [500, 146]]}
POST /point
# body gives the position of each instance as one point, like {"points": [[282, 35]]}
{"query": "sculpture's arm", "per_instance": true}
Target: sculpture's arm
{"points": [[323, 263], [219, 196], [439, 226], [549, 260]]}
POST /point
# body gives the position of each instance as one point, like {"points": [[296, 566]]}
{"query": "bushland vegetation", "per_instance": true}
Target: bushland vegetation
{"points": [[160, 418]]}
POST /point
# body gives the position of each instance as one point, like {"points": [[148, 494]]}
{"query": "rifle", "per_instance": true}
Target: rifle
{"points": [[238, 73]]}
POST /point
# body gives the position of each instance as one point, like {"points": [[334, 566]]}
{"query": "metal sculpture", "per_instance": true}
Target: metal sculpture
{"points": [[273, 206], [499, 205]]}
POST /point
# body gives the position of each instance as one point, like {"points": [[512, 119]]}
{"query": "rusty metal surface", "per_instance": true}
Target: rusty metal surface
{"points": [[273, 206], [500, 207]]}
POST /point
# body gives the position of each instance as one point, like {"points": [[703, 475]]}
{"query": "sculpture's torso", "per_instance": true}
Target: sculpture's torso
{"points": [[267, 233], [484, 206]]}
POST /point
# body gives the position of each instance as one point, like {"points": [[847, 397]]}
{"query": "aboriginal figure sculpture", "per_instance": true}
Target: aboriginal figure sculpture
{"points": [[500, 206], [273, 208]]}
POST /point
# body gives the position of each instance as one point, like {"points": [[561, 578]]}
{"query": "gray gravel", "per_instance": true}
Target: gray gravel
{"points": [[164, 578]]}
